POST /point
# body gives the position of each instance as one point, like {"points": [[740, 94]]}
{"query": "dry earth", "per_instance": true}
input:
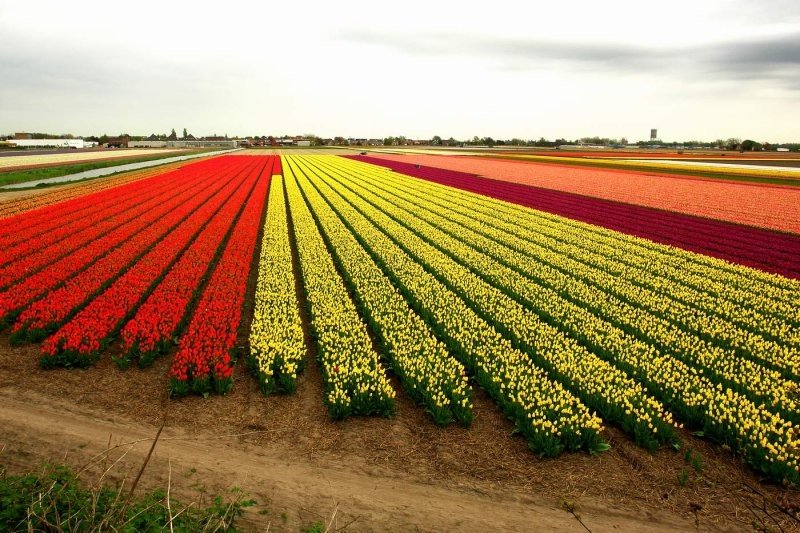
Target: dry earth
{"points": [[402, 473]]}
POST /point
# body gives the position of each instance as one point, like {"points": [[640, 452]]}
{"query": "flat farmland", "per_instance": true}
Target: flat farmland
{"points": [[402, 348], [37, 160], [773, 207]]}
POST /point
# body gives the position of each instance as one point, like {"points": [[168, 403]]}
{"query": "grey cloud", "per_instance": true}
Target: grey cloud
{"points": [[776, 57]]}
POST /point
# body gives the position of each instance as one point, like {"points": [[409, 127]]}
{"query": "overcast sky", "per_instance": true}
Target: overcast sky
{"points": [[694, 70]]}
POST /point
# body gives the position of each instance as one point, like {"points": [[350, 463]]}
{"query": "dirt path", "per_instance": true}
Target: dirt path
{"points": [[397, 474], [369, 496]]}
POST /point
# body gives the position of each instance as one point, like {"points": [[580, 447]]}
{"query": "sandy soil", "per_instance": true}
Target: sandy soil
{"points": [[373, 474]]}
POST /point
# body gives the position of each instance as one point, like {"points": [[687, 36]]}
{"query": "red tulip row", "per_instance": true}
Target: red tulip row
{"points": [[52, 234], [26, 225], [100, 225], [107, 258], [204, 360], [159, 318], [80, 340]]}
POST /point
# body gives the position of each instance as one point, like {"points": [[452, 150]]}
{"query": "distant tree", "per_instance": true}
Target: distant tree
{"points": [[749, 145], [402, 140], [185, 133], [436, 140], [767, 146], [623, 141], [733, 143], [173, 136], [452, 142], [388, 141]]}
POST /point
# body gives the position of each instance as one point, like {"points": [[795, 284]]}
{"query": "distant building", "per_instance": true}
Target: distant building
{"points": [[22, 136], [147, 144], [653, 134], [117, 142], [51, 143]]}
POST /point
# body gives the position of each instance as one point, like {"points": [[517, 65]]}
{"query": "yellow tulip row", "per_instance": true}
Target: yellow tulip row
{"points": [[765, 292], [354, 380], [600, 385], [768, 308], [766, 337], [277, 346], [576, 297], [429, 373], [768, 441]]}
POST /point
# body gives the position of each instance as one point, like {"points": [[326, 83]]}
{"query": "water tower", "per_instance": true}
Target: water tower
{"points": [[653, 134]]}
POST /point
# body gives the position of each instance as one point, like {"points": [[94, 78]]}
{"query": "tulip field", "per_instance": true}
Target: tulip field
{"points": [[573, 311]]}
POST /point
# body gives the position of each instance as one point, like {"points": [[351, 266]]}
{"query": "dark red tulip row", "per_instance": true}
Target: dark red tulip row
{"points": [[160, 316], [106, 258], [81, 339], [98, 225], [754, 247], [31, 223], [203, 360]]}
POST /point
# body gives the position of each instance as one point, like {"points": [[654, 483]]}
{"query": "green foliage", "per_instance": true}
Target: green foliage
{"points": [[683, 477], [56, 499]]}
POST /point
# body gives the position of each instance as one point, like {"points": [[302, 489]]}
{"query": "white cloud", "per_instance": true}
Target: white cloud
{"points": [[694, 70]]}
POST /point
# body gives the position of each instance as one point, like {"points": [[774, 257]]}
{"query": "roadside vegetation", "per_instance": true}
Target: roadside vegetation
{"points": [[56, 498]]}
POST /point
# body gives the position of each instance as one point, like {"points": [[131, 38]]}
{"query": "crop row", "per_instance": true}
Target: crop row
{"points": [[549, 417], [159, 318], [764, 206], [734, 325], [81, 339], [66, 284], [354, 379], [50, 217], [18, 209], [750, 288], [583, 302], [767, 441], [755, 247], [430, 375], [57, 226], [101, 224], [277, 344], [203, 361]]}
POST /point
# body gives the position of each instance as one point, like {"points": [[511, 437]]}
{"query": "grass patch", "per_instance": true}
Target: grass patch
{"points": [[56, 499]]}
